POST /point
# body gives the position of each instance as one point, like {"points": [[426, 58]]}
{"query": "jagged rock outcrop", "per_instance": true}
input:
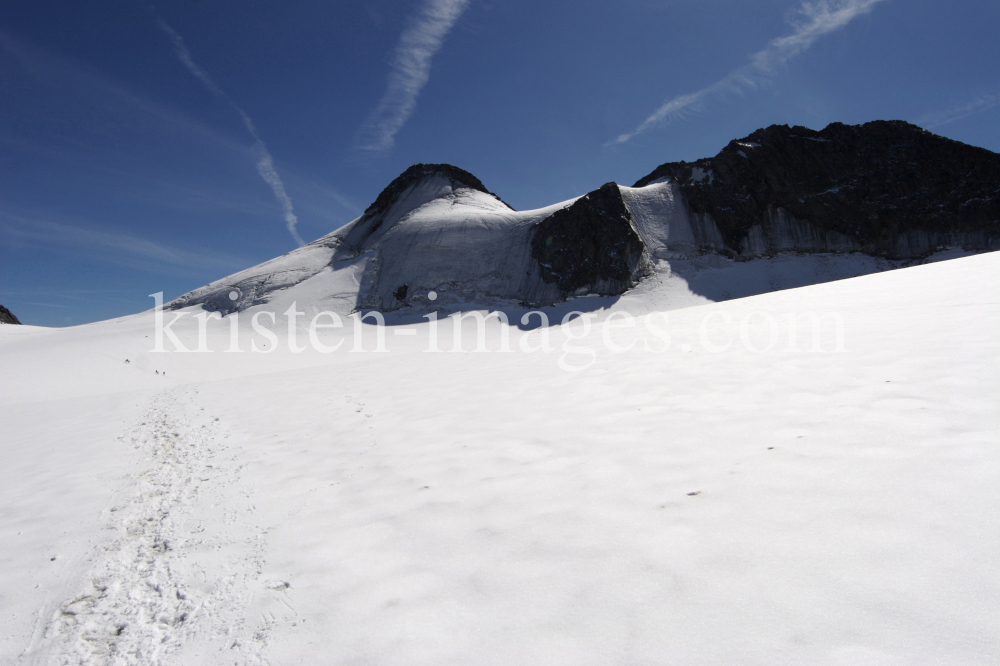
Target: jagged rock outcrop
{"points": [[7, 317], [886, 188], [589, 245]]}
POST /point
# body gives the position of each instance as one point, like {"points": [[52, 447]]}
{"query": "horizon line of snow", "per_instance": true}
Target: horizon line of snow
{"points": [[821, 18], [411, 67], [265, 162]]}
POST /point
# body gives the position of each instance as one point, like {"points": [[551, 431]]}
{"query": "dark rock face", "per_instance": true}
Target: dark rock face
{"points": [[887, 188], [7, 317], [591, 244]]}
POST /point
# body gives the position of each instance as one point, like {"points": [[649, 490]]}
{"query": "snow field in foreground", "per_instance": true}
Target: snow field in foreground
{"points": [[411, 508]]}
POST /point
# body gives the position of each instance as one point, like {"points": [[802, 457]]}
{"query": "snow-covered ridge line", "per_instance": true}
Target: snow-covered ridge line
{"points": [[886, 189]]}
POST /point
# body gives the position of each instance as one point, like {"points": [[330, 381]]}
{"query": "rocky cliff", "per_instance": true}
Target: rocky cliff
{"points": [[886, 188], [589, 245], [7, 317]]}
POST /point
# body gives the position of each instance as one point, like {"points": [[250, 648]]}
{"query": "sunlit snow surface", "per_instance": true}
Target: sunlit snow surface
{"points": [[470, 248], [683, 507]]}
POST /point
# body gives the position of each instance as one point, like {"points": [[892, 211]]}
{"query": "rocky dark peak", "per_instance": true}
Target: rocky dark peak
{"points": [[589, 244], [389, 195], [7, 317], [870, 183]]}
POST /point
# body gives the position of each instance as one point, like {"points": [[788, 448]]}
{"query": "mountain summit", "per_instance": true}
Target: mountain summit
{"points": [[416, 186], [885, 189]]}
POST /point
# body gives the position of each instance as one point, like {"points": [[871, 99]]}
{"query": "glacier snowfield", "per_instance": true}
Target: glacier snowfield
{"points": [[717, 500]]}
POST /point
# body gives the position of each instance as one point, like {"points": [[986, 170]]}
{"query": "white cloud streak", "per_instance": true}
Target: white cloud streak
{"points": [[46, 233], [411, 66], [812, 21], [977, 105], [95, 86], [265, 163]]}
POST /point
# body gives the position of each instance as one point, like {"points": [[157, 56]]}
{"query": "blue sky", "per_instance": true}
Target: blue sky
{"points": [[158, 147]]}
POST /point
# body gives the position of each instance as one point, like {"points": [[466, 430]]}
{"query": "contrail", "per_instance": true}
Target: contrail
{"points": [[265, 163], [961, 111], [818, 19], [410, 70], [34, 230]]}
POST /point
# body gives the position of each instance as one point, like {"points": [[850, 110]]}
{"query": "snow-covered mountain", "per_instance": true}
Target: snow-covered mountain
{"points": [[809, 476], [858, 198], [436, 228]]}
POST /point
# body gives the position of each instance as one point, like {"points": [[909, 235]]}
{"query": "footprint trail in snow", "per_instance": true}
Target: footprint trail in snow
{"points": [[180, 560]]}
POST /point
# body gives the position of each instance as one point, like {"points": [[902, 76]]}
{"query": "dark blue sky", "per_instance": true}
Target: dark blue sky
{"points": [[158, 147]]}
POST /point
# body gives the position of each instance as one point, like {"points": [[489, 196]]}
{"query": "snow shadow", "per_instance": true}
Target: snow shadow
{"points": [[514, 312], [718, 278]]}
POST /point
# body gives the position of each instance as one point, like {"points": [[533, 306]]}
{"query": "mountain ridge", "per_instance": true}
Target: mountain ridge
{"points": [[885, 189]]}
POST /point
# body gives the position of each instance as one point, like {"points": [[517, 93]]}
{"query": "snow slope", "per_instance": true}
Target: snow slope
{"points": [[471, 249], [437, 233], [683, 506]]}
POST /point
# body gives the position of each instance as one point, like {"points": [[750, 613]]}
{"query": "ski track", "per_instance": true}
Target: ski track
{"points": [[175, 575]]}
